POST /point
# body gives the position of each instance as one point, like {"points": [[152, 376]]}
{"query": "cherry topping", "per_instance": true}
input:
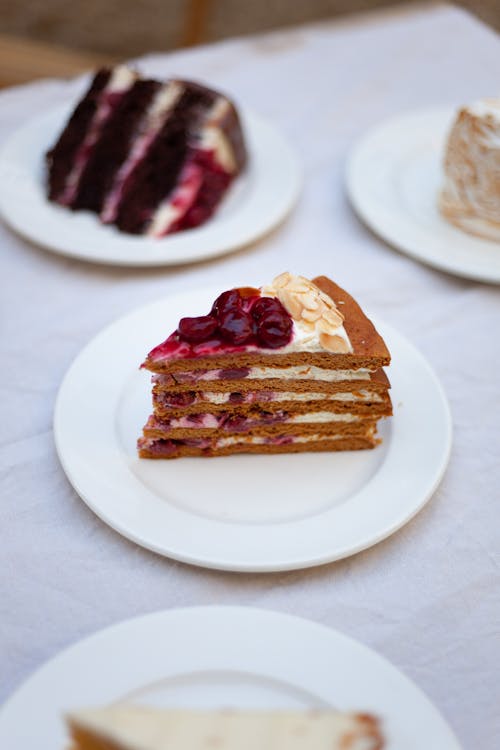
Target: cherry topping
{"points": [[275, 329], [266, 305], [197, 329], [236, 326], [226, 302], [248, 291]]}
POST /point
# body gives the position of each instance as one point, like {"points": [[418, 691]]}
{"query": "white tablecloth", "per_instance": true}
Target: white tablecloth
{"points": [[428, 597]]}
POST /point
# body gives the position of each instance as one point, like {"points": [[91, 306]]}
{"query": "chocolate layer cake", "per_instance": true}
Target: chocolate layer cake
{"points": [[129, 727], [294, 366], [151, 158]]}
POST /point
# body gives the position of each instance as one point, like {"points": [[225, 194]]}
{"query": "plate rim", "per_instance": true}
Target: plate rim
{"points": [[199, 237], [259, 618], [366, 210], [222, 563]]}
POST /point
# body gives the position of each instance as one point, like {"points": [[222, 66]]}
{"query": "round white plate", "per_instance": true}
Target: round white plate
{"points": [[258, 201], [218, 657], [394, 176], [242, 512]]}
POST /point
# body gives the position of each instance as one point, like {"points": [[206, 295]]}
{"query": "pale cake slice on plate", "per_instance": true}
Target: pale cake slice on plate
{"points": [[131, 727]]}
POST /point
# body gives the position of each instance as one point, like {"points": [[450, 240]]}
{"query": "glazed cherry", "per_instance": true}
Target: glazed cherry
{"points": [[226, 302], [275, 329], [266, 305], [236, 326], [196, 330]]}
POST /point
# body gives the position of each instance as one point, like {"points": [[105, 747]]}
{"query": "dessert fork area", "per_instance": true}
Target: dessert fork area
{"points": [[427, 597]]}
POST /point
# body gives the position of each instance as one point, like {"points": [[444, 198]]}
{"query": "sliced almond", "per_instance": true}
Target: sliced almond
{"points": [[312, 315], [334, 317], [333, 343], [291, 303], [282, 280], [311, 301], [268, 291], [327, 300], [297, 285]]}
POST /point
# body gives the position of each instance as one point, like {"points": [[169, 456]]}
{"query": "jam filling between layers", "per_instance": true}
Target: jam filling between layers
{"points": [[162, 447], [164, 399], [231, 422], [109, 99]]}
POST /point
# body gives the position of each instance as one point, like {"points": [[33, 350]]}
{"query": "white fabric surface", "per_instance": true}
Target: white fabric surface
{"points": [[428, 597]]}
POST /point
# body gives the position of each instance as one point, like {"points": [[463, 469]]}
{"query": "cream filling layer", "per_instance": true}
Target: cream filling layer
{"points": [[305, 340], [278, 396], [184, 195], [296, 372], [261, 440], [307, 372], [216, 421]]}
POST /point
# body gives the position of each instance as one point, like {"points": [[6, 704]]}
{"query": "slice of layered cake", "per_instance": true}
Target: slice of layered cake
{"points": [[151, 158], [470, 197], [129, 727], [293, 366]]}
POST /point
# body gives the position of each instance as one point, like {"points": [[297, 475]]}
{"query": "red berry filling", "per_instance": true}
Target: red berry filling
{"points": [[238, 318], [196, 330]]}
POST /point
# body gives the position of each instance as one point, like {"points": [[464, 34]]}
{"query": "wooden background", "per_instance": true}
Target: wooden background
{"points": [[43, 38]]}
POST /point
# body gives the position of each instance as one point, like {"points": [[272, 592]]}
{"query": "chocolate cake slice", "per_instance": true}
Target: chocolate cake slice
{"points": [[134, 727], [290, 367], [151, 158]]}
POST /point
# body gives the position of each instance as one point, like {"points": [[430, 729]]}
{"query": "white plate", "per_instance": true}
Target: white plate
{"points": [[258, 201], [212, 657], [393, 180], [242, 512]]}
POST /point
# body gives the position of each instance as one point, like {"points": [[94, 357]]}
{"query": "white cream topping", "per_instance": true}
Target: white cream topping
{"points": [[318, 323], [179, 201], [305, 340], [260, 440], [307, 372], [485, 107], [278, 396], [213, 421], [470, 197], [121, 79], [212, 136]]}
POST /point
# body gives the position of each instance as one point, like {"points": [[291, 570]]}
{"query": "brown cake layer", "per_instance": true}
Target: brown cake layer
{"points": [[261, 424], [165, 408], [60, 157], [369, 349], [177, 449], [235, 380]]}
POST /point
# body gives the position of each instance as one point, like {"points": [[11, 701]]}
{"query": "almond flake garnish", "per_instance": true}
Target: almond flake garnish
{"points": [[311, 308]]}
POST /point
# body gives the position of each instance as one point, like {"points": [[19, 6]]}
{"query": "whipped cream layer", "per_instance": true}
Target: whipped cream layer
{"points": [[166, 447], [187, 398], [237, 423], [296, 372], [210, 146]]}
